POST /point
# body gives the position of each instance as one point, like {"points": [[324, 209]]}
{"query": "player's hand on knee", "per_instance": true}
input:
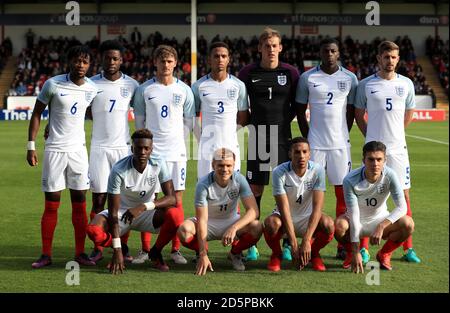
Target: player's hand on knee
{"points": [[295, 253], [375, 238], [131, 214], [305, 253], [229, 236]]}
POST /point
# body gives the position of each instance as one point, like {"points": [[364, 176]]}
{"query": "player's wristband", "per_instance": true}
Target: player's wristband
{"points": [[31, 145], [149, 205], [116, 243]]}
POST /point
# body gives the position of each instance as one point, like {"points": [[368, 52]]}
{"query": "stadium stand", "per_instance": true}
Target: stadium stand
{"points": [[46, 58]]}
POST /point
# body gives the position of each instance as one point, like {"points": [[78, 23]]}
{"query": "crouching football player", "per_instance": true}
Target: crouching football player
{"points": [[217, 214], [299, 189], [131, 188], [366, 190]]}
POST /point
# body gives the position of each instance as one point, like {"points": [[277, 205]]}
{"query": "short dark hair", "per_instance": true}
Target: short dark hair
{"points": [[387, 46], [297, 140], [142, 133], [219, 44], [79, 50], [111, 45], [373, 146], [329, 41]]}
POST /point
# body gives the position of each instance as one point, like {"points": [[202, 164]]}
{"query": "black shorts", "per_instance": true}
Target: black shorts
{"points": [[264, 153]]}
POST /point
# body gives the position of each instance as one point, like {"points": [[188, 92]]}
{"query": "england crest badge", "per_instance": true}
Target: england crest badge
{"points": [[381, 188], [232, 93], [88, 96], [177, 98], [124, 92], [282, 79], [342, 85], [400, 90], [233, 193], [151, 180]]}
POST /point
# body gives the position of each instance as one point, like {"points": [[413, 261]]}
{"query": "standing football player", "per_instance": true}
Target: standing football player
{"points": [[160, 104], [389, 100]]}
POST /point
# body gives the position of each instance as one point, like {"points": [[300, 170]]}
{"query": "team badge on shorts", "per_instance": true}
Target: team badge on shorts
{"points": [[282, 79], [233, 193], [124, 92], [177, 98], [342, 85], [151, 180], [232, 93], [400, 90], [381, 188]]}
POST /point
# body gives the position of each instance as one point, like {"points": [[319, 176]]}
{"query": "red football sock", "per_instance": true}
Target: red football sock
{"points": [[192, 243], [390, 246], [172, 219], [48, 225], [348, 247], [92, 215], [364, 243], [244, 242], [176, 244], [79, 221], [321, 239], [124, 238], [408, 242], [340, 202], [146, 237], [98, 235], [273, 241]]}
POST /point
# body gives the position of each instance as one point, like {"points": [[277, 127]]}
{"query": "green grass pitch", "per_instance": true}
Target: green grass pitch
{"points": [[22, 206]]}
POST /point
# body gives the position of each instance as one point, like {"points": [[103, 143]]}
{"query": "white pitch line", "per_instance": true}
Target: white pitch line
{"points": [[428, 139]]}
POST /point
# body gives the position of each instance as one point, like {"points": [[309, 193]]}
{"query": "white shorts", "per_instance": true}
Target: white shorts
{"points": [[143, 223], [399, 162], [101, 161], [369, 226], [204, 166], [337, 163], [63, 170], [178, 171], [217, 227], [300, 224]]}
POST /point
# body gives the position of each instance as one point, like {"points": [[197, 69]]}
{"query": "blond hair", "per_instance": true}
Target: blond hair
{"points": [[223, 154], [268, 33]]}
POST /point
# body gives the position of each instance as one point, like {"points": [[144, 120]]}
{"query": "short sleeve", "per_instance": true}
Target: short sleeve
{"points": [[196, 95], [411, 97], [138, 102], [361, 99], [201, 193], [189, 105], [319, 183], [114, 182], [352, 94], [164, 174], [278, 179], [242, 101], [244, 187], [47, 92], [302, 92]]}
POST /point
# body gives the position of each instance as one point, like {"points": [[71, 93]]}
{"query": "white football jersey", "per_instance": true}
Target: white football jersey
{"points": [[136, 188], [386, 102], [163, 108], [366, 201], [328, 96], [110, 112], [219, 103], [222, 202], [67, 104], [299, 190]]}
